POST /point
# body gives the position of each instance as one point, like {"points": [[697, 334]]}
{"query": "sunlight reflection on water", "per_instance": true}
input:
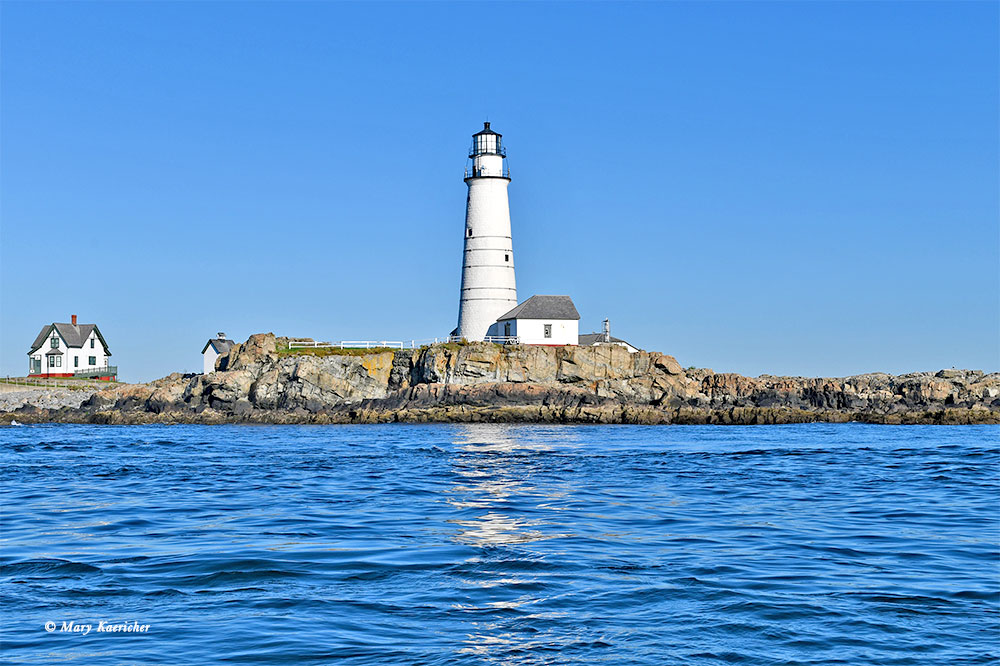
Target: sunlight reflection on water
{"points": [[500, 544]]}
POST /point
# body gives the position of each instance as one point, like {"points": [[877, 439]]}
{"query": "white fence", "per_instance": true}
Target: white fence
{"points": [[47, 382], [393, 344]]}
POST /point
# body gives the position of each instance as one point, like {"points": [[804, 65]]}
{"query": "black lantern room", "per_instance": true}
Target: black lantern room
{"points": [[487, 142]]}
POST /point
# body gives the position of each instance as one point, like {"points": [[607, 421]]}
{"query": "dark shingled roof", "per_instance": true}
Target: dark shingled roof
{"points": [[587, 339], [73, 336], [544, 307], [220, 345], [53, 352]]}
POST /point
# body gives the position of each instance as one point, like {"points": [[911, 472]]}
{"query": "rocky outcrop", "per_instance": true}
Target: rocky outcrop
{"points": [[45, 398], [261, 381]]}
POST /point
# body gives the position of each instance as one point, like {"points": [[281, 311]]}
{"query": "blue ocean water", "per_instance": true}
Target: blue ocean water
{"points": [[493, 544]]}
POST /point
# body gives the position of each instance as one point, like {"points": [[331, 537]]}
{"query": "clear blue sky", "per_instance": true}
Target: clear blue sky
{"points": [[786, 188]]}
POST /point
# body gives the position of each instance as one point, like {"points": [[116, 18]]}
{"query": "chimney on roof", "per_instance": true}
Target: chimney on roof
{"points": [[74, 319], [222, 336]]}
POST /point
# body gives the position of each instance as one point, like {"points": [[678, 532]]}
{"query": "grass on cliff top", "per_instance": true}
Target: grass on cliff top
{"points": [[454, 346], [332, 351], [357, 351], [75, 383]]}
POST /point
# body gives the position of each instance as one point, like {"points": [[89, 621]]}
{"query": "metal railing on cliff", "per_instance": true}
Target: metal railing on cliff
{"points": [[395, 344], [106, 371], [54, 382]]}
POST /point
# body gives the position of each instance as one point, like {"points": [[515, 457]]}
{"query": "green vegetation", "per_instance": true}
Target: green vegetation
{"points": [[332, 351], [454, 346], [284, 350], [56, 382]]}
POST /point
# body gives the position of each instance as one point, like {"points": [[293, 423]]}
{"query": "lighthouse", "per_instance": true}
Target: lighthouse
{"points": [[488, 287]]}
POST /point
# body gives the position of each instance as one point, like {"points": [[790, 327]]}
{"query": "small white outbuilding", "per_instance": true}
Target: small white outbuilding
{"points": [[212, 350], [605, 338], [540, 320]]}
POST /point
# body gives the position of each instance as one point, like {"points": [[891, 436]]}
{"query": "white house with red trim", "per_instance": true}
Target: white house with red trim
{"points": [[70, 350]]}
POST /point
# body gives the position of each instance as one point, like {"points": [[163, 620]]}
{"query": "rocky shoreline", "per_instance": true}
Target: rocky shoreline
{"points": [[44, 398], [262, 381]]}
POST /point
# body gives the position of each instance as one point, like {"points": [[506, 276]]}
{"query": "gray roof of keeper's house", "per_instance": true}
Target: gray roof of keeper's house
{"points": [[53, 352], [587, 339], [73, 336], [220, 345], [543, 307]]}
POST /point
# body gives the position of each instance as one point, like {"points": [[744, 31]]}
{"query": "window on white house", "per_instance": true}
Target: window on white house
{"points": [[54, 342], [548, 330], [76, 361], [92, 343], [91, 360], [55, 361]]}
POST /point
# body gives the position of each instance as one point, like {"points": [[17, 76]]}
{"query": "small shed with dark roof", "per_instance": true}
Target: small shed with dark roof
{"points": [[540, 320], [213, 349], [592, 339], [605, 338]]}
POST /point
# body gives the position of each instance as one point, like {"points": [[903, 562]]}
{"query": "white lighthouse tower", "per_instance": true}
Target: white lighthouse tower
{"points": [[488, 288]]}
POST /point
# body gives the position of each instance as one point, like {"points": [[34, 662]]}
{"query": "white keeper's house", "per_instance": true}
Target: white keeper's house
{"points": [[71, 350], [540, 320]]}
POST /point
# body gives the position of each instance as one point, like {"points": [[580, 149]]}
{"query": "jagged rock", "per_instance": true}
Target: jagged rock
{"points": [[667, 363], [488, 382], [242, 408], [257, 348]]}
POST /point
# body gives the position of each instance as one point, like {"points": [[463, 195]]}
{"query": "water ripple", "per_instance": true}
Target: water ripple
{"points": [[812, 544]]}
